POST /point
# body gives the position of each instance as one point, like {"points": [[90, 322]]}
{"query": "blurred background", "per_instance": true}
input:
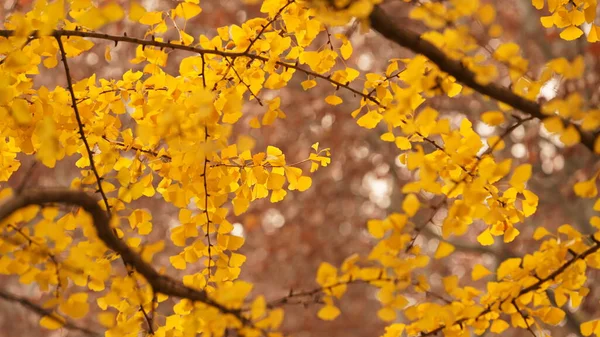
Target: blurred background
{"points": [[286, 241]]}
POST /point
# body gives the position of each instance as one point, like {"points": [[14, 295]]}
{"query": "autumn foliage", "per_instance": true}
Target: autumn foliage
{"points": [[161, 170]]}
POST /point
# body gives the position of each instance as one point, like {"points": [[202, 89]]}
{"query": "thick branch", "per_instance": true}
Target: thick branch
{"points": [[383, 24], [159, 283]]}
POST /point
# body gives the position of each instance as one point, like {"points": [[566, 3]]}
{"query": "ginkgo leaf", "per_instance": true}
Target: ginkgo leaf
{"points": [[333, 100], [76, 305], [520, 176], [444, 249], [570, 136], [540, 233], [479, 272], [328, 313], [388, 137], [386, 314], [493, 117], [589, 327], [554, 316], [586, 189], [375, 228], [394, 330], [507, 267], [308, 84], [485, 238], [187, 10], [52, 322], [510, 234], [370, 120], [498, 326], [403, 143], [20, 111], [304, 183], [411, 205], [571, 33]]}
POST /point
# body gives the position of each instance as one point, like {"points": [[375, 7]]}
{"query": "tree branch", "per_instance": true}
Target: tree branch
{"points": [[45, 313], [384, 25], [159, 283]]}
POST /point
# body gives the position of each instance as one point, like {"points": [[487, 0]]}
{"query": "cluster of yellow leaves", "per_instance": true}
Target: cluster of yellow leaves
{"points": [[182, 150], [572, 16], [517, 297]]}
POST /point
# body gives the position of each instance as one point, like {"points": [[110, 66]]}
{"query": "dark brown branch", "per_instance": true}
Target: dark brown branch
{"points": [[533, 287], [42, 312], [264, 28], [197, 50], [384, 25], [524, 317], [81, 131], [160, 283]]}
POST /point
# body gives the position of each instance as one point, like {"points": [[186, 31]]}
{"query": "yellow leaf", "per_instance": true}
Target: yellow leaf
{"points": [[520, 176], [444, 249], [275, 181], [487, 14], [328, 313], [508, 267], [151, 18], [76, 306], [388, 137], [571, 33], [510, 234], [178, 262], [308, 84], [52, 322], [107, 56], [531, 202], [333, 100], [346, 50], [540, 232], [258, 308], [411, 205], [20, 111], [586, 189], [235, 242], [304, 183], [240, 205], [106, 319], [92, 18], [595, 221], [590, 327], [492, 118], [376, 228], [554, 124], [554, 316], [187, 10], [479, 272], [498, 326], [570, 136], [485, 238], [403, 143], [255, 123], [394, 330], [386, 314], [112, 12], [136, 11], [370, 119]]}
